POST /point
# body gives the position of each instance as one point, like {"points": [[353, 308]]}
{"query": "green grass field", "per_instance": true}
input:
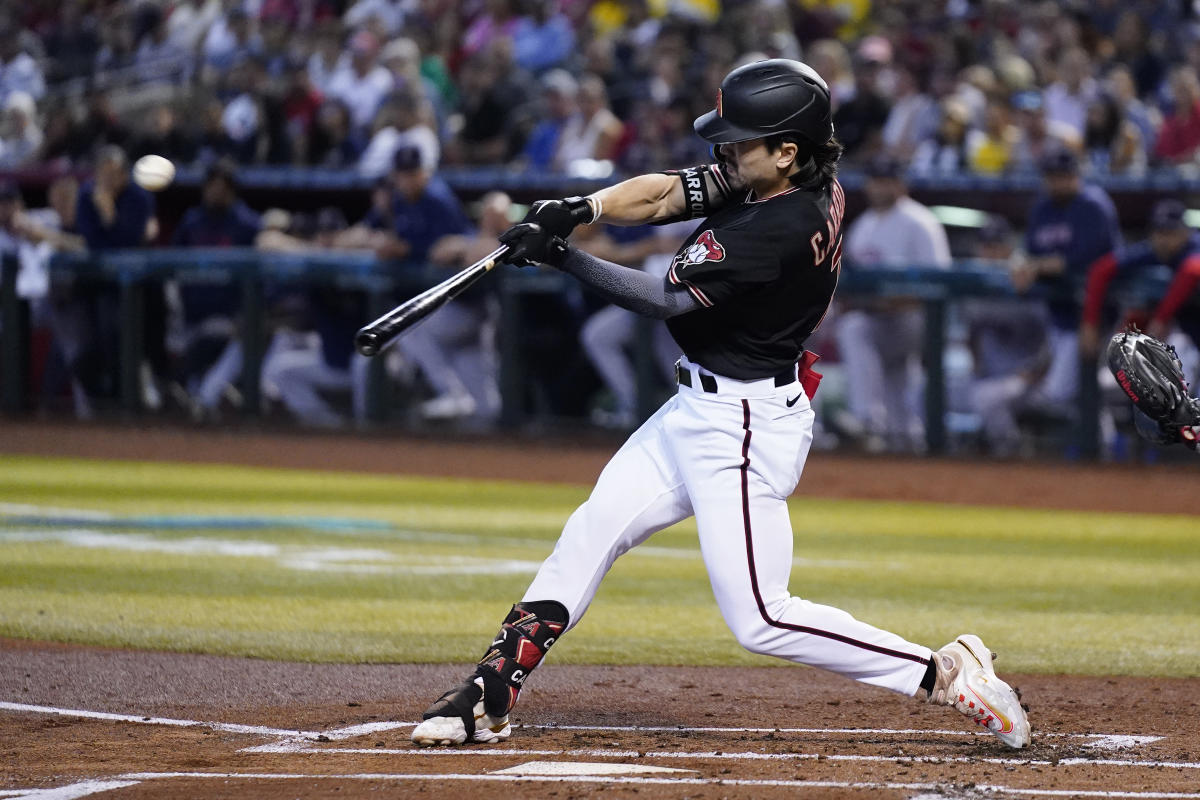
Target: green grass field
{"points": [[323, 566]]}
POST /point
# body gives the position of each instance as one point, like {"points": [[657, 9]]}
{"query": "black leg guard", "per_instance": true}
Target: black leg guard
{"points": [[528, 632], [458, 702]]}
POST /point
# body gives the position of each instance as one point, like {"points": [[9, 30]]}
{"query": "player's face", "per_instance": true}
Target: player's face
{"points": [[749, 164]]}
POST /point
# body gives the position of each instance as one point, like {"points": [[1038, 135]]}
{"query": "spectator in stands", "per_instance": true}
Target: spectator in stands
{"points": [[500, 19], [212, 352], [946, 152], [243, 118], [159, 58], [1068, 98], [333, 142], [402, 58], [387, 14], [1173, 244], [1111, 142], [400, 124], [912, 117], [594, 132], [189, 20], [279, 58], [115, 58], [363, 83], [20, 136], [230, 39], [493, 94], [71, 44], [560, 92], [214, 141], [1135, 47], [1180, 133], [19, 71], [456, 348], [1070, 225], [880, 341], [164, 136], [1119, 85], [1009, 347], [544, 39], [1039, 135], [990, 149], [327, 58]]}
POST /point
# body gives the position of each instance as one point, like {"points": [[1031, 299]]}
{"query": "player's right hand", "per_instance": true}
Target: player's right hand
{"points": [[529, 244]]}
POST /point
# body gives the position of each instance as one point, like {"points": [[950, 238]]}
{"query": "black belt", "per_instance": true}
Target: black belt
{"points": [[709, 384]]}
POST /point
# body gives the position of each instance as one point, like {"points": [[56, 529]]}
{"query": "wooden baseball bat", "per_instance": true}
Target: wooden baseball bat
{"points": [[375, 336]]}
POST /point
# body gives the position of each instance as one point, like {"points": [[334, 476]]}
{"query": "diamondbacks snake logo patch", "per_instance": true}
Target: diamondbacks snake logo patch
{"points": [[706, 248]]}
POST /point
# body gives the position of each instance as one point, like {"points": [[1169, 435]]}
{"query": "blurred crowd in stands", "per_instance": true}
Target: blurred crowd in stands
{"points": [[394, 90], [954, 85]]}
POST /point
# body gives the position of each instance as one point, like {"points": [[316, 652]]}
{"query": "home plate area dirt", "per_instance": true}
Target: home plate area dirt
{"points": [[78, 722]]}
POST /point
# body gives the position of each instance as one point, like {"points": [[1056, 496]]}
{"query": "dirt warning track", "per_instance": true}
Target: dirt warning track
{"points": [[121, 724]]}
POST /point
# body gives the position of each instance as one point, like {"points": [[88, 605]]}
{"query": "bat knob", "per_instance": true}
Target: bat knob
{"points": [[366, 342]]}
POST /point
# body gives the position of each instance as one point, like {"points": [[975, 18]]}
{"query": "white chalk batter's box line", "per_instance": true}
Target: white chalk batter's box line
{"points": [[938, 790], [303, 742]]}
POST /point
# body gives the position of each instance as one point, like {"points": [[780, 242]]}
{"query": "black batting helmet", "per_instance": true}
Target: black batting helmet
{"points": [[778, 95]]}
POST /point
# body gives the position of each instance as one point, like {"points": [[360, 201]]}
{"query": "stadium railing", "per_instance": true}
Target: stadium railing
{"points": [[133, 271]]}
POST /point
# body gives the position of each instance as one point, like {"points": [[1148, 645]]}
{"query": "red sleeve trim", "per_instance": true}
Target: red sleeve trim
{"points": [[700, 296], [1181, 288], [1100, 275]]}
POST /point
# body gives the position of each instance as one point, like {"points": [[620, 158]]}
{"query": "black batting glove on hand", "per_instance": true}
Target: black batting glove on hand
{"points": [[529, 244], [561, 217]]}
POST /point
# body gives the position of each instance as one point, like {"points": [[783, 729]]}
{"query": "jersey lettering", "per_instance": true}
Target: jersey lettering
{"points": [[833, 226]]}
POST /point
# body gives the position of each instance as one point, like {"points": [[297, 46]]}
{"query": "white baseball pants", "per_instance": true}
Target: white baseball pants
{"points": [[731, 458]]}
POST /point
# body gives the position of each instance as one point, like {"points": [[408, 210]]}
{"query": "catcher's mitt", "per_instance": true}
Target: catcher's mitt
{"points": [[1150, 373]]}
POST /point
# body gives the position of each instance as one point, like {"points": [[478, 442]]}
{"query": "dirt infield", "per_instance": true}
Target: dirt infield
{"points": [[78, 721], [350, 725], [1164, 489]]}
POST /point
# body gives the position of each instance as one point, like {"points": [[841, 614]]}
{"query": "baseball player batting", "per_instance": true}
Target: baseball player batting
{"points": [[742, 295]]}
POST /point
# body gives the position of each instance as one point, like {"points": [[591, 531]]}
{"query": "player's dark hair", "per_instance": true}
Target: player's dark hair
{"points": [[822, 165]]}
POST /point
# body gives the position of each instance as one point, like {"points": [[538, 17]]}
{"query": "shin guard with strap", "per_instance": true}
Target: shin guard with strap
{"points": [[528, 632]]}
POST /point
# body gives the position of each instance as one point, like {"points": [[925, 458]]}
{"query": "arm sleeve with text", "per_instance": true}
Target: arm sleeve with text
{"points": [[719, 264]]}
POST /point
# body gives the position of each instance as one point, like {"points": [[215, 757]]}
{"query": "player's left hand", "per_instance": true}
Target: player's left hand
{"points": [[529, 243], [560, 217]]}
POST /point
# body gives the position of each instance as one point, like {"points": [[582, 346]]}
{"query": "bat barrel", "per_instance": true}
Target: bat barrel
{"points": [[372, 338]]}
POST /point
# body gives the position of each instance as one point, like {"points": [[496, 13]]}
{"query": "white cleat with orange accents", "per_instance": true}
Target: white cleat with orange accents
{"points": [[966, 680]]}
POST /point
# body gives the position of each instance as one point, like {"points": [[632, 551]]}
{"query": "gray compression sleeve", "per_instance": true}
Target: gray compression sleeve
{"points": [[629, 288]]}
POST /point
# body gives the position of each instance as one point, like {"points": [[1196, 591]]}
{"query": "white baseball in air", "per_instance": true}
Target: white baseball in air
{"points": [[153, 173]]}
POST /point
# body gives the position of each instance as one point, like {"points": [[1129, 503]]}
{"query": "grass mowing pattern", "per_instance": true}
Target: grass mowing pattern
{"points": [[1053, 591]]}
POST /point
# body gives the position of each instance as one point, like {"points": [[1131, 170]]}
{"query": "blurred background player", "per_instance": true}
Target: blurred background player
{"points": [[455, 348], [1070, 225], [1009, 347], [211, 348], [880, 341]]}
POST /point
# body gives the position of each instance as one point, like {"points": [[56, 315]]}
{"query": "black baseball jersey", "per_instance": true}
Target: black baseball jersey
{"points": [[764, 272]]}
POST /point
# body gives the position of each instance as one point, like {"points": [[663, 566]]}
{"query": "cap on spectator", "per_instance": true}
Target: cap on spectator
{"points": [[407, 158], [995, 229], [1059, 161], [8, 189], [1030, 100], [364, 42], [1168, 215], [884, 166]]}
